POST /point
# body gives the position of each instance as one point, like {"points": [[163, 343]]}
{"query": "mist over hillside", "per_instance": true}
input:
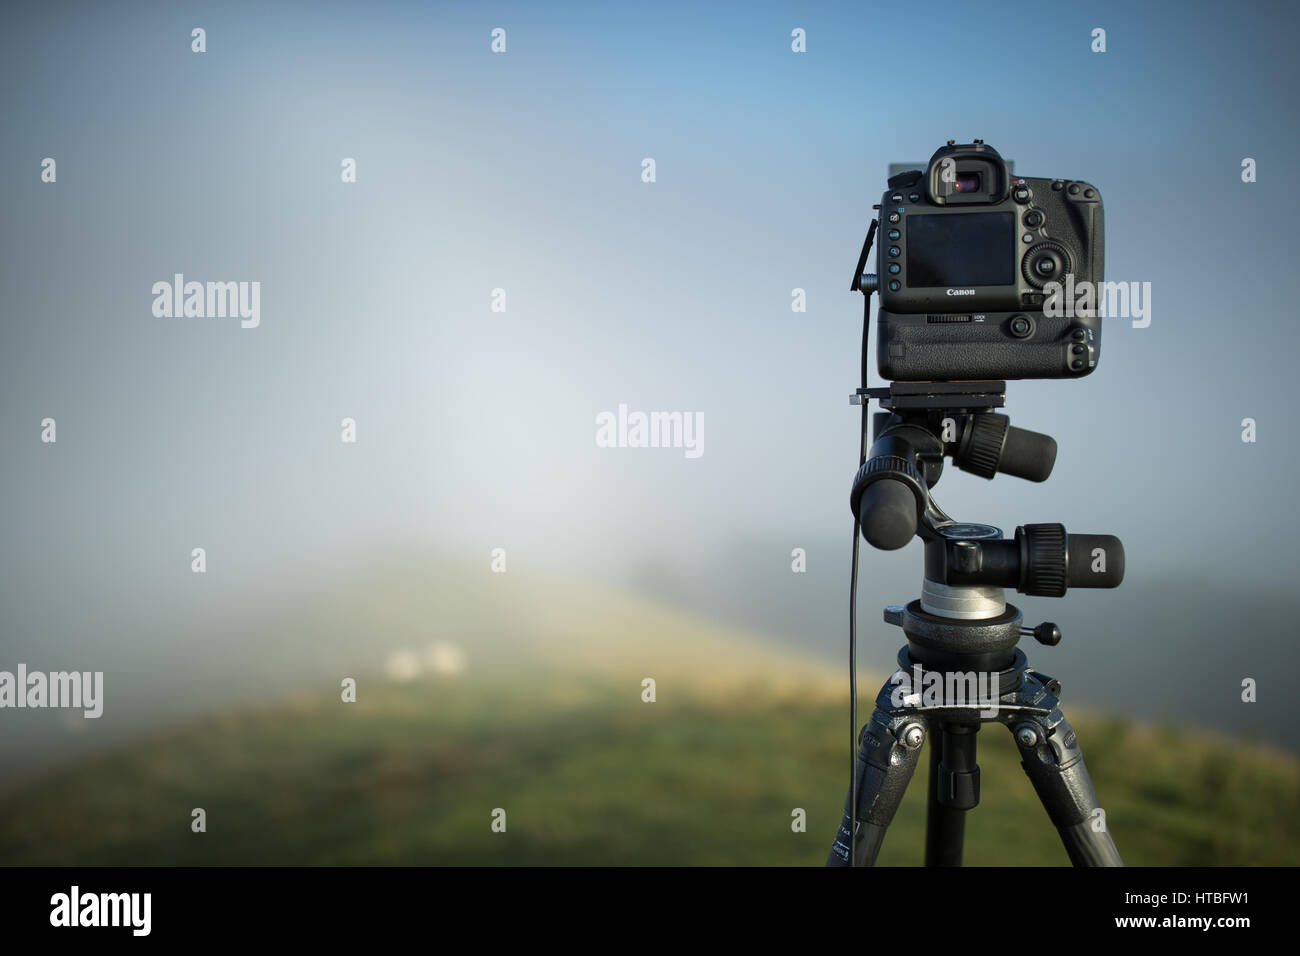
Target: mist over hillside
{"points": [[215, 647], [1156, 648]]}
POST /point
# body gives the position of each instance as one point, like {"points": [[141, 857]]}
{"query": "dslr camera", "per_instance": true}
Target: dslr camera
{"points": [[966, 263]]}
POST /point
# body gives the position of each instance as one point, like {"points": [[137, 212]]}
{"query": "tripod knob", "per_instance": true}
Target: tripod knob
{"points": [[1052, 561], [1046, 633], [887, 511], [888, 494]]}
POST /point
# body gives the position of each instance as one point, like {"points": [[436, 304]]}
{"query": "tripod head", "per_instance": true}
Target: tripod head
{"points": [[922, 424], [961, 630]]}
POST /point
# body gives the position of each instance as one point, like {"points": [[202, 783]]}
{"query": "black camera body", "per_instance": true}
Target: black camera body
{"points": [[966, 262]]}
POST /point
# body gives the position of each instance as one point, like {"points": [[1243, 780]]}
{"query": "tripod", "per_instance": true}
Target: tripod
{"points": [[960, 667]]}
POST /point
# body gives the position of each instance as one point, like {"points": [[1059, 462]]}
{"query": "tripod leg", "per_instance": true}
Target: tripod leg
{"points": [[1050, 754], [945, 827], [888, 749], [954, 790]]}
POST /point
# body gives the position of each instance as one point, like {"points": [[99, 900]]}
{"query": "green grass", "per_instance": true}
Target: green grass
{"points": [[589, 774]]}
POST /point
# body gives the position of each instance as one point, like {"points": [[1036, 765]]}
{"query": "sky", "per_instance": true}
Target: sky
{"points": [[522, 171]]}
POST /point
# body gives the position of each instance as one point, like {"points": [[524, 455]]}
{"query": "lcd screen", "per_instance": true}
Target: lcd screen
{"points": [[965, 249]]}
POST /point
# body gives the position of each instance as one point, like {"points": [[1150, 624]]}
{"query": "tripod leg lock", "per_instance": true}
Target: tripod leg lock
{"points": [[1054, 764], [888, 749], [958, 782], [1052, 760]]}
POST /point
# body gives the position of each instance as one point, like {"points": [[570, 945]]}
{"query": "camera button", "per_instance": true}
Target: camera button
{"points": [[914, 197], [894, 234], [1033, 218], [1078, 335], [894, 285], [1056, 186], [1027, 238], [895, 268], [893, 252], [1073, 189], [895, 197], [894, 217], [1090, 194], [1021, 194]]}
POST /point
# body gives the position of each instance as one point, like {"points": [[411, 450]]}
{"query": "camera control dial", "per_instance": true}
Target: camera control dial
{"points": [[1044, 263]]}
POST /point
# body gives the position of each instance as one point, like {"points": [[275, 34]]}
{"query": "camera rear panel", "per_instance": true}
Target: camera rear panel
{"points": [[962, 279]]}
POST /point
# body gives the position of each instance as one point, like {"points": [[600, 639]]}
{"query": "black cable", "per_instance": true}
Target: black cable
{"points": [[853, 575], [853, 696], [856, 284]]}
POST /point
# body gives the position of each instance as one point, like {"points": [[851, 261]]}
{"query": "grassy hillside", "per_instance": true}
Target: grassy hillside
{"points": [[589, 774], [545, 720]]}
